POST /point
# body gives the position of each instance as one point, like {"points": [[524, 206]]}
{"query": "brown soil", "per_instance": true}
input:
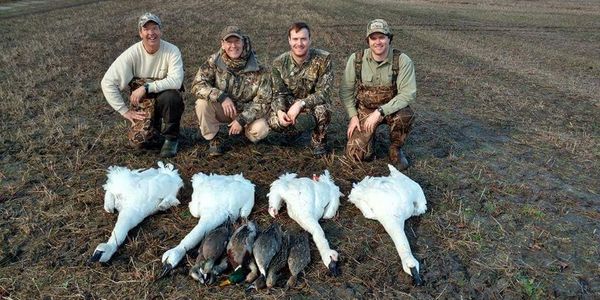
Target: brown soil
{"points": [[506, 147]]}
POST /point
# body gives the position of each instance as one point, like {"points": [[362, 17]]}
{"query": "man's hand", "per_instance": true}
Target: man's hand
{"points": [[229, 108], [353, 124], [283, 118], [234, 127], [294, 111], [132, 115], [372, 121], [137, 95]]}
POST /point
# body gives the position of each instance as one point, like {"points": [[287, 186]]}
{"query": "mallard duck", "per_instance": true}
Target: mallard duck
{"points": [[215, 199], [211, 261], [136, 194], [307, 201], [279, 261], [239, 252], [391, 200], [298, 257], [267, 244]]}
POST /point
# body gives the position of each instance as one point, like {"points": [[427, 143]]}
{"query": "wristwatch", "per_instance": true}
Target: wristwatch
{"points": [[302, 103], [380, 110], [146, 87]]}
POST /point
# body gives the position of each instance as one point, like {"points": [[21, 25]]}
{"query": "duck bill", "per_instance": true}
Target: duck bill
{"points": [[334, 269], [416, 277]]}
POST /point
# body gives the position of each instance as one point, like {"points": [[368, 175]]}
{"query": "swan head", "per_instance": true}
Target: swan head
{"points": [[331, 261], [411, 267], [103, 252]]}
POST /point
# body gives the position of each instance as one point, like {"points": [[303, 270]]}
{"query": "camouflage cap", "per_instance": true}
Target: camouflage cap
{"points": [[231, 31], [378, 25], [149, 17]]}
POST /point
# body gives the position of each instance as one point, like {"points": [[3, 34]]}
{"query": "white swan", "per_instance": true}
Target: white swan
{"points": [[307, 201], [391, 200], [136, 194], [215, 199]]}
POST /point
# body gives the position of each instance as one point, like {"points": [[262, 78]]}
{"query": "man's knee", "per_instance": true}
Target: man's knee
{"points": [[322, 114], [257, 130], [170, 98]]}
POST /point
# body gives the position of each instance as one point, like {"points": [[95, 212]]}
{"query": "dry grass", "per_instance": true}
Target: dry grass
{"points": [[505, 147]]}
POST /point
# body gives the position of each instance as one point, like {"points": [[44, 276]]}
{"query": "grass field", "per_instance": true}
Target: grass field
{"points": [[506, 146]]}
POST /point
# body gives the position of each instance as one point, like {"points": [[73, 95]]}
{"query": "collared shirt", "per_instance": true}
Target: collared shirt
{"points": [[310, 81], [249, 88], [379, 74]]}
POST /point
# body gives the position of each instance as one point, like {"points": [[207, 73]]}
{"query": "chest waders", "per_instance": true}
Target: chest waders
{"points": [[368, 99]]}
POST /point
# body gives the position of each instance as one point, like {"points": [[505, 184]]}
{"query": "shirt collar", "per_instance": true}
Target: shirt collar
{"points": [[387, 59]]}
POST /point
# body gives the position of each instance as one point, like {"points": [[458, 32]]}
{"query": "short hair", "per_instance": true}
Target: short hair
{"points": [[297, 26]]}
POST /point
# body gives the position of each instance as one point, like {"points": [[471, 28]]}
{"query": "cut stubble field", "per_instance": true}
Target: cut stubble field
{"points": [[506, 146]]}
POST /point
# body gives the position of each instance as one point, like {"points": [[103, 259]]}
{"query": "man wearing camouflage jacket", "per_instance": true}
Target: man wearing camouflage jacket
{"points": [[233, 88], [302, 80], [377, 88]]}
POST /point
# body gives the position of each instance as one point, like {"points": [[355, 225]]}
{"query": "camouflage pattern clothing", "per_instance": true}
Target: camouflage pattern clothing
{"points": [[248, 88], [310, 82], [143, 133], [368, 98]]}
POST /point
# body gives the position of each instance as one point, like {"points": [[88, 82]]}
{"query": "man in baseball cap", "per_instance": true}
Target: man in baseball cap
{"points": [[153, 70], [377, 88], [232, 88]]}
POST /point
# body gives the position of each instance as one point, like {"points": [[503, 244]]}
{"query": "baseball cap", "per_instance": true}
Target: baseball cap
{"points": [[149, 17], [378, 25], [231, 31]]}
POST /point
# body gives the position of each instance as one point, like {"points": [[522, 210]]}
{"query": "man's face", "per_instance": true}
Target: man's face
{"points": [[379, 43], [299, 42], [150, 35], [233, 46]]}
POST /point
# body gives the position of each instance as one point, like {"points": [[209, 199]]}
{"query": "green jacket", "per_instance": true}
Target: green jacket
{"points": [[379, 74], [311, 81], [249, 89]]}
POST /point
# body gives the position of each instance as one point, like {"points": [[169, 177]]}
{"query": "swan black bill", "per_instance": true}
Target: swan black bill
{"points": [[334, 269], [165, 270], [416, 277], [96, 256]]}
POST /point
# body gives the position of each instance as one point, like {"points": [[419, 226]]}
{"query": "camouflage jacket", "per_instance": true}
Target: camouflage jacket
{"points": [[312, 81], [249, 89]]}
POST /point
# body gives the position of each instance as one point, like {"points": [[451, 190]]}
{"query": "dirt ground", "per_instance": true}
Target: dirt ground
{"points": [[506, 147]]}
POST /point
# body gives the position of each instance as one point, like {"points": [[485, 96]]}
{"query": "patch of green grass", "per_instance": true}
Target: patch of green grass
{"points": [[530, 287], [532, 211], [490, 207]]}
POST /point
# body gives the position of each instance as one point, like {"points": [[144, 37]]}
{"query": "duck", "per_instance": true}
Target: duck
{"points": [[266, 246], [279, 261], [239, 253], [391, 200], [298, 257], [211, 260], [135, 194], [215, 199], [308, 200]]}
